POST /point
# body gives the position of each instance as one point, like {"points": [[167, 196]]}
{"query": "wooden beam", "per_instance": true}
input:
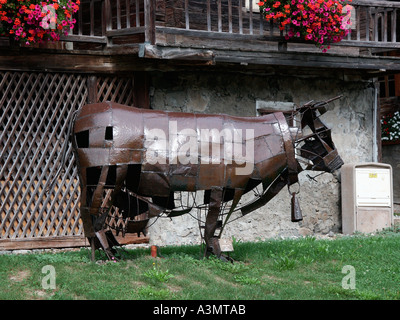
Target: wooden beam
{"points": [[83, 38], [125, 32], [56, 62], [90, 62], [171, 57], [176, 53], [206, 35], [62, 242], [274, 58], [315, 60]]}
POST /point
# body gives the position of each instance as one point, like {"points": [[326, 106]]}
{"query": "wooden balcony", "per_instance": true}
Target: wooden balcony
{"points": [[110, 22], [229, 31]]}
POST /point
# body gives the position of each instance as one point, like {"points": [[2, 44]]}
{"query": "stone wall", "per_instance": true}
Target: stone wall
{"points": [[237, 94]]}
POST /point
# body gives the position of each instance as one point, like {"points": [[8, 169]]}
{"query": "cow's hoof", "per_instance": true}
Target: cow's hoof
{"points": [[110, 255], [225, 258]]}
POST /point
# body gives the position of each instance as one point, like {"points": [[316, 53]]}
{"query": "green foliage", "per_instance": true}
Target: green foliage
{"points": [[157, 274], [284, 263]]}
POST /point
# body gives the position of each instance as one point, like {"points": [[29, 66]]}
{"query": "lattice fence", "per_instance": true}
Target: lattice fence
{"points": [[34, 118], [115, 89]]}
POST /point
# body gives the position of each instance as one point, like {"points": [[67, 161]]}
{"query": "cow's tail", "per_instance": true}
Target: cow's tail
{"points": [[64, 152]]}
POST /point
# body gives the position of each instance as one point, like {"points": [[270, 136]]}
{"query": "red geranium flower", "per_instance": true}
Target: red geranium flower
{"points": [[319, 21]]}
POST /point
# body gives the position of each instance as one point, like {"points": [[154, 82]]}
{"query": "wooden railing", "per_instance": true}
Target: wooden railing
{"points": [[374, 24], [123, 22], [102, 21]]}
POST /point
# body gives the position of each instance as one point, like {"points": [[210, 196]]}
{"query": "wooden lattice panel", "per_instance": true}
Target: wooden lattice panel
{"points": [[36, 110], [117, 89]]}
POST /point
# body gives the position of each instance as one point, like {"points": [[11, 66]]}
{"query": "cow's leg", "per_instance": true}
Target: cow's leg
{"points": [[87, 219], [96, 214], [93, 213], [121, 172], [212, 241]]}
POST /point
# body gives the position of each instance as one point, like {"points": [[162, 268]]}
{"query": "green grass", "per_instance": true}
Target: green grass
{"points": [[276, 269]]}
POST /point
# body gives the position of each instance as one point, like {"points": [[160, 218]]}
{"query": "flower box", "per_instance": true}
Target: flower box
{"points": [[321, 22]]}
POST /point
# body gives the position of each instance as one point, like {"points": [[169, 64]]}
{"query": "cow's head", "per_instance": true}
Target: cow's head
{"points": [[316, 145]]}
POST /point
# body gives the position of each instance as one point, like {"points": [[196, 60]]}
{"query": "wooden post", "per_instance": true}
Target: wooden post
{"points": [[358, 22], [80, 23], [92, 89], [384, 29], [107, 19], [367, 23], [141, 87], [230, 15], [92, 18], [128, 13], [209, 15], [251, 16], [219, 16], [150, 21], [393, 25], [187, 23], [137, 13], [118, 14], [240, 17]]}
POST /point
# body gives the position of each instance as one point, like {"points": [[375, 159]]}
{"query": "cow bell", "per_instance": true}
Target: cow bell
{"points": [[296, 210]]}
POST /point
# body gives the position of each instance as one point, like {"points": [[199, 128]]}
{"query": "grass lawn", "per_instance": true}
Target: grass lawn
{"points": [[357, 267]]}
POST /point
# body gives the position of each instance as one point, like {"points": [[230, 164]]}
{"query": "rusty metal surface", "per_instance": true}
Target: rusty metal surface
{"points": [[146, 156]]}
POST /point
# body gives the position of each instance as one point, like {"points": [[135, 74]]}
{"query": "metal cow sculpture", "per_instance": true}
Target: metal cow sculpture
{"points": [[145, 157]]}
